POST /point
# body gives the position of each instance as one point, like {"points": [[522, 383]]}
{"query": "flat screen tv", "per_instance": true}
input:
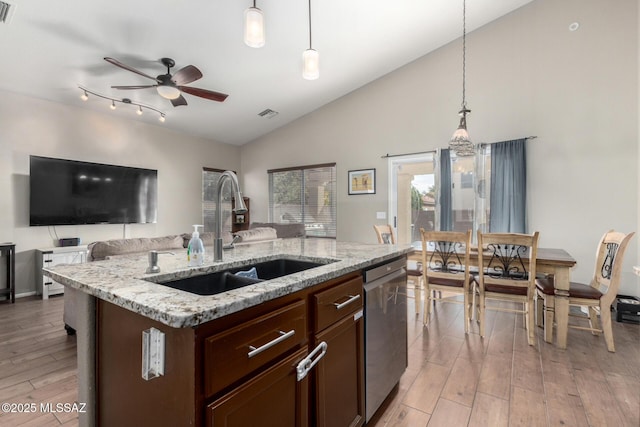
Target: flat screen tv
{"points": [[69, 192]]}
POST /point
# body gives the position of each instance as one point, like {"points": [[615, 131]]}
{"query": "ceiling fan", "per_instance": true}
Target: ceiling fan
{"points": [[171, 86]]}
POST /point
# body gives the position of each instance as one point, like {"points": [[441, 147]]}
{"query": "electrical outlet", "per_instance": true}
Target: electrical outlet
{"points": [[381, 215]]}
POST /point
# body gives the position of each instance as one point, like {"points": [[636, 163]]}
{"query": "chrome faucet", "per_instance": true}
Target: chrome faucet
{"points": [[153, 261], [239, 209], [233, 241]]}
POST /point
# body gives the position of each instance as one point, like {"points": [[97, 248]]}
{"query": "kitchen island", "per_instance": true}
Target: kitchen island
{"points": [[117, 292]]}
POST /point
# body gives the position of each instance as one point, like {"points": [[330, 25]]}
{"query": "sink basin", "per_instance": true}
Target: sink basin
{"points": [[210, 284], [226, 280], [275, 268]]}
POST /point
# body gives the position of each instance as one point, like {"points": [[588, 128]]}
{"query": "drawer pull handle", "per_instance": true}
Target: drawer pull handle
{"points": [[283, 336], [307, 363], [48, 283], [48, 260], [352, 298]]}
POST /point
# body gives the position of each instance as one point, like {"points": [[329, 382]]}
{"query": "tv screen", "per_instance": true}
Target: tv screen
{"points": [[68, 192]]}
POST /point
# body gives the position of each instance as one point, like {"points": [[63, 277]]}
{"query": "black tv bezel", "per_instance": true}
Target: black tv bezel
{"points": [[94, 164]]}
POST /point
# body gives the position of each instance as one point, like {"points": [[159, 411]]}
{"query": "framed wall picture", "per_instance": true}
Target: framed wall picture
{"points": [[362, 181]]}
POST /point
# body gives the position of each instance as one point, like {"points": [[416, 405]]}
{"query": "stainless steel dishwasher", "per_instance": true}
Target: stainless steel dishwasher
{"points": [[385, 324]]}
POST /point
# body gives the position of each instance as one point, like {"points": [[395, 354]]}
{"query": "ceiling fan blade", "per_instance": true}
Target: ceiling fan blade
{"points": [[179, 101], [203, 93], [133, 87], [186, 75], [128, 68]]}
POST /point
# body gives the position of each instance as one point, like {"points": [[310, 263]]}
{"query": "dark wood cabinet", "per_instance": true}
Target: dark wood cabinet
{"points": [[240, 221], [339, 376], [273, 398], [244, 368], [234, 353]]}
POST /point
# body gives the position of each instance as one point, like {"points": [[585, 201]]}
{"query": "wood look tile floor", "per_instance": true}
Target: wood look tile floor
{"points": [[453, 379], [38, 364]]}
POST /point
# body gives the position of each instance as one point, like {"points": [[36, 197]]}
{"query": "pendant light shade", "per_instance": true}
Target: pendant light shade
{"points": [[310, 58], [460, 142], [311, 61], [254, 27]]}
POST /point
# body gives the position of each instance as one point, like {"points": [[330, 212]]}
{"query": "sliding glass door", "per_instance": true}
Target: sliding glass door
{"points": [[412, 201], [416, 199]]}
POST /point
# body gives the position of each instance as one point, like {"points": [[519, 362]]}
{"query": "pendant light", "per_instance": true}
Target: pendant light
{"points": [[254, 27], [310, 58], [460, 142]]}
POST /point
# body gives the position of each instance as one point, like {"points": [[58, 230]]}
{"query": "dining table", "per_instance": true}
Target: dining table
{"points": [[549, 261]]}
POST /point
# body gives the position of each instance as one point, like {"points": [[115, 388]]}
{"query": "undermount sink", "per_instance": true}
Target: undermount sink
{"points": [[226, 280]]}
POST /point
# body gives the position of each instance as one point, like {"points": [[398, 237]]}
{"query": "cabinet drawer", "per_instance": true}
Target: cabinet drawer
{"points": [[335, 303], [235, 353], [274, 397]]}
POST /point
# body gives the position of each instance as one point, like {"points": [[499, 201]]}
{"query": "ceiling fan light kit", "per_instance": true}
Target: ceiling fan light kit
{"points": [[254, 35], [168, 92], [171, 86]]}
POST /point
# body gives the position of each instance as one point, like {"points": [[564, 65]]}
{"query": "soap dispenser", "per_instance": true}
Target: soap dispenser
{"points": [[195, 250]]}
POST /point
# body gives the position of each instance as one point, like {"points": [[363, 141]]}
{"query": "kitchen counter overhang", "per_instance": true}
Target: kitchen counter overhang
{"points": [[121, 280]]}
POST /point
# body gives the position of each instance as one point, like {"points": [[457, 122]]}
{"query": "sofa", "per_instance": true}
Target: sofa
{"points": [[283, 231]]}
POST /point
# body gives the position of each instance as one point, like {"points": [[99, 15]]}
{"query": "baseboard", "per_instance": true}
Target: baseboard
{"points": [[26, 294]]}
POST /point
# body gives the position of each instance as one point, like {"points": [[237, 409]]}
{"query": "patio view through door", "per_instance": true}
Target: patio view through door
{"points": [[412, 201], [414, 194]]}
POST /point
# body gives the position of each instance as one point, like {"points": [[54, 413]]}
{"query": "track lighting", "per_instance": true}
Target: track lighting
{"points": [[139, 111], [254, 27]]}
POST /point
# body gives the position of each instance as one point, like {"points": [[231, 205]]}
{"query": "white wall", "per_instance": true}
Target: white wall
{"points": [[31, 126], [527, 74]]}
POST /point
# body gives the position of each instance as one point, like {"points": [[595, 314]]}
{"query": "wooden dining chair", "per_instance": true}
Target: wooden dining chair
{"points": [[414, 270], [507, 272], [597, 296], [445, 261]]}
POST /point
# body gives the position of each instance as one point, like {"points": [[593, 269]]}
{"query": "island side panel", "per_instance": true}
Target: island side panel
{"points": [[85, 315], [123, 396]]}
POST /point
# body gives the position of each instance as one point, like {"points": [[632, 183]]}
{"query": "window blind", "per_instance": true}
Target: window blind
{"points": [[305, 194]]}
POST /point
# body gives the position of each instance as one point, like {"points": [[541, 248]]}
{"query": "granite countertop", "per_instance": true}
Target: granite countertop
{"points": [[122, 280]]}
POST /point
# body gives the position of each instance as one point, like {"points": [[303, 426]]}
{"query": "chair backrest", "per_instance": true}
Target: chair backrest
{"points": [[446, 254], [609, 260], [385, 234], [508, 259]]}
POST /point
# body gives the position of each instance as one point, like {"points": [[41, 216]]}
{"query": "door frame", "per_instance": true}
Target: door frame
{"points": [[392, 161]]}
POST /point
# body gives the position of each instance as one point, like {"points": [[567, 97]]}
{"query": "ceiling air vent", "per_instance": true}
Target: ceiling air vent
{"points": [[6, 11], [268, 113]]}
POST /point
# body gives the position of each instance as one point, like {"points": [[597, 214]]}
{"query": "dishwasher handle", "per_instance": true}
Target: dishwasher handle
{"points": [[385, 279]]}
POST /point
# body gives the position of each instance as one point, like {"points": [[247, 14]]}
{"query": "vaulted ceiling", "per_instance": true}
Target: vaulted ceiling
{"points": [[49, 48]]}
